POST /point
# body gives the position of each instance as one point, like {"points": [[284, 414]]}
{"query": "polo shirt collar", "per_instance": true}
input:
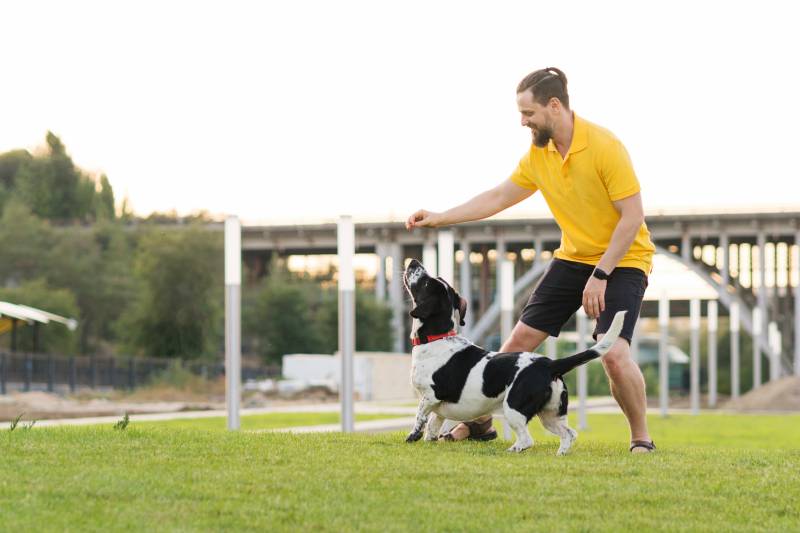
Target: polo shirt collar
{"points": [[579, 137]]}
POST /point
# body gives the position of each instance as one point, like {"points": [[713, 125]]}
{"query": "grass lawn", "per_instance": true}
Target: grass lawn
{"points": [[711, 473], [264, 421]]}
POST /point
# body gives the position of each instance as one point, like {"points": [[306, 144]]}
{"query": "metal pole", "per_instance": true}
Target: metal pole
{"points": [[762, 286], [694, 328], [500, 249], [735, 364], [713, 313], [756, 350], [347, 324], [447, 256], [724, 243], [583, 374], [233, 309], [396, 298], [663, 356], [506, 312]]}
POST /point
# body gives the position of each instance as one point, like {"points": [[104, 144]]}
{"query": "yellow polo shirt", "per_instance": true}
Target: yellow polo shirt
{"points": [[580, 189]]}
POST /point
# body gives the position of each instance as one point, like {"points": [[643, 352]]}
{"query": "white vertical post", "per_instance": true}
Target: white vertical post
{"points": [[774, 338], [756, 349], [694, 331], [663, 356], [233, 327], [506, 313], [735, 363], [583, 375], [346, 241], [724, 243], [713, 313], [447, 256], [429, 260], [551, 347], [396, 297], [380, 274]]}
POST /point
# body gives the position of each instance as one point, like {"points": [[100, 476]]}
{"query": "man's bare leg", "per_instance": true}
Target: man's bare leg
{"points": [[523, 339], [628, 388]]}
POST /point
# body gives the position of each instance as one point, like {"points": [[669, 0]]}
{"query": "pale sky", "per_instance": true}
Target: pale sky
{"points": [[305, 110]]}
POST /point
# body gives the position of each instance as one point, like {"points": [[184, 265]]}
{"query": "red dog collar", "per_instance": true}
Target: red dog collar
{"points": [[417, 341]]}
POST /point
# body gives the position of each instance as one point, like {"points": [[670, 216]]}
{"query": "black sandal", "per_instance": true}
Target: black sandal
{"points": [[478, 431], [648, 445]]}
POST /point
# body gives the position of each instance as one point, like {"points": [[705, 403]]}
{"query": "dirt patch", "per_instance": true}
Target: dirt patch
{"points": [[780, 395]]}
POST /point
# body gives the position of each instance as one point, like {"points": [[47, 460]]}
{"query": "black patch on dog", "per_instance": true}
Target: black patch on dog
{"points": [[562, 407], [531, 391], [499, 373], [449, 379]]}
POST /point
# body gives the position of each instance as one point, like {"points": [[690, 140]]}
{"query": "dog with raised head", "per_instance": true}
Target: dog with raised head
{"points": [[458, 380]]}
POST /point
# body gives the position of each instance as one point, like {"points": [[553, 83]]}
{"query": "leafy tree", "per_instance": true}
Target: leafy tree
{"points": [[280, 316], [373, 322], [24, 241], [177, 306]]}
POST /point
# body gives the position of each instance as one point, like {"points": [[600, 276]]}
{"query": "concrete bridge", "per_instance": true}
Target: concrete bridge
{"points": [[750, 258]]}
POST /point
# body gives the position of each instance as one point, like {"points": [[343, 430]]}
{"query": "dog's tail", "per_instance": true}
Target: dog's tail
{"points": [[559, 367]]}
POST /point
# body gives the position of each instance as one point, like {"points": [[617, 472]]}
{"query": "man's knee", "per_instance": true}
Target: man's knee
{"points": [[618, 359], [523, 339]]}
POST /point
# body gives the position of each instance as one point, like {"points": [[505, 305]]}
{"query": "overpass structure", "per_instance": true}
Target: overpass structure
{"points": [[748, 259]]}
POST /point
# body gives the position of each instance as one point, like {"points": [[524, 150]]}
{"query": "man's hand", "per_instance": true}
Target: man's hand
{"points": [[422, 219], [594, 297]]}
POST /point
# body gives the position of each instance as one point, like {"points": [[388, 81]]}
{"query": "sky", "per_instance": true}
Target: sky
{"points": [[301, 111]]}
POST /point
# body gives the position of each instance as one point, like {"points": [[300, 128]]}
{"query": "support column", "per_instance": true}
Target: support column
{"points": [[735, 364], [500, 258], [712, 353], [686, 246], [762, 286], [774, 342], [380, 275], [583, 372], [446, 250], [663, 356], [694, 354], [465, 285], [396, 297], [797, 308], [726, 260], [757, 322], [538, 246], [429, 259]]}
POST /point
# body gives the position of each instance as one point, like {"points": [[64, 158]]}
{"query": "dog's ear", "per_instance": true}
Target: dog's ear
{"points": [[458, 303]]}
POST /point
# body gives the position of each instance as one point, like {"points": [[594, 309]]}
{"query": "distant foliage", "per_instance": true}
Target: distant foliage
{"points": [[52, 187]]}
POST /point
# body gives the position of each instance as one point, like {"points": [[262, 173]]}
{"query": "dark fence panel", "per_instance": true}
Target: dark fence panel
{"points": [[25, 372]]}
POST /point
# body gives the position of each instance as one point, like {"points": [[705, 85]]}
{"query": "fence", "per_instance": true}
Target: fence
{"points": [[25, 371]]}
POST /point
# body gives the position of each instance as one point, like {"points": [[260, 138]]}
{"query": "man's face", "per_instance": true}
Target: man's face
{"points": [[536, 117]]}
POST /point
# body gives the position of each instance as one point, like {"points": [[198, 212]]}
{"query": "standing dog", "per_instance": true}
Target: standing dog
{"points": [[458, 380]]}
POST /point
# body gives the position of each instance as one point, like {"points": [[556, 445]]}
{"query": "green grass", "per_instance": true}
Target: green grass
{"points": [[264, 421], [711, 473]]}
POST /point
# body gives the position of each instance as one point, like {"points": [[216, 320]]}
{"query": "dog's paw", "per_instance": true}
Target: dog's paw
{"points": [[562, 452], [431, 438], [414, 436], [518, 448]]}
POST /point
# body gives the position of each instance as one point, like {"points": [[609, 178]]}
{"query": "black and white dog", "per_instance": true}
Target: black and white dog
{"points": [[458, 380]]}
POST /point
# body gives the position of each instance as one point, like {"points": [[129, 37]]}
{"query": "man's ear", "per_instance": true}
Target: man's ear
{"points": [[425, 309]]}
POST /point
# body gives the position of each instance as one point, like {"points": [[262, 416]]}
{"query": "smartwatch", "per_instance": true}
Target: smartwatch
{"points": [[600, 274]]}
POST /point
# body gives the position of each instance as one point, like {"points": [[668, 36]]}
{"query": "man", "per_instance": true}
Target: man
{"points": [[587, 179]]}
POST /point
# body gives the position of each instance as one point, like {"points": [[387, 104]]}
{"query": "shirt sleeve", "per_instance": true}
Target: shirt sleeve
{"points": [[523, 174], [617, 173]]}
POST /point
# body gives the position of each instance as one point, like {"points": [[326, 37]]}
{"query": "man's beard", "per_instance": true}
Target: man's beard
{"points": [[542, 136]]}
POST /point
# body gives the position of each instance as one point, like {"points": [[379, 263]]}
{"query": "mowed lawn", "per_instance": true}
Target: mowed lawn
{"points": [[262, 421], [711, 473]]}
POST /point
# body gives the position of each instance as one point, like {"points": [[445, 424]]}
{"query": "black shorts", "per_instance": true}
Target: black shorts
{"points": [[560, 293]]}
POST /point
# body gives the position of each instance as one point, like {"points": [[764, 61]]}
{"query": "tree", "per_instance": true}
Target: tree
{"points": [[177, 305], [24, 241]]}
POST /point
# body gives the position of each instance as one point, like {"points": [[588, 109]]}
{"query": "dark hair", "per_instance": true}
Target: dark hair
{"points": [[545, 84]]}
